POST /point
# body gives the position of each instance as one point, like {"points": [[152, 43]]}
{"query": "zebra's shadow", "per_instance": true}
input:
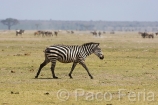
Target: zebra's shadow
{"points": [[47, 78]]}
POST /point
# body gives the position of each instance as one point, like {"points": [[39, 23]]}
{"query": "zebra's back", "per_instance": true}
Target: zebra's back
{"points": [[62, 53]]}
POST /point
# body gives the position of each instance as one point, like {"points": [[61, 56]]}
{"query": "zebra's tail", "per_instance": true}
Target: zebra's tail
{"points": [[47, 50]]}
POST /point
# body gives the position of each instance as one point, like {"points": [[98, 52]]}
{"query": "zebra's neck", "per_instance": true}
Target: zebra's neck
{"points": [[87, 50]]}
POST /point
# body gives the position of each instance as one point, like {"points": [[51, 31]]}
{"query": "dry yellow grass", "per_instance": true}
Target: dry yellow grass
{"points": [[130, 67]]}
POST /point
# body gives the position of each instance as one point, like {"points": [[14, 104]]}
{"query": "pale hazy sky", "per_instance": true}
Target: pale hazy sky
{"points": [[107, 10]]}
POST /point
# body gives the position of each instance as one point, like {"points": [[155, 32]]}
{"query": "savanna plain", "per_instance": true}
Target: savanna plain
{"points": [[128, 74]]}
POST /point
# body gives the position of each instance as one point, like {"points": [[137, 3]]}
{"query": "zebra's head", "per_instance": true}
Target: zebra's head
{"points": [[92, 47], [97, 51]]}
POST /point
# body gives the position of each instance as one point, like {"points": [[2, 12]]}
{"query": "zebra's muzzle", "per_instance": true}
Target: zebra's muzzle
{"points": [[102, 57]]}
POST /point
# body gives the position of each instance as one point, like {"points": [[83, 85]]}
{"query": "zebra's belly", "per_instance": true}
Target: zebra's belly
{"points": [[66, 61]]}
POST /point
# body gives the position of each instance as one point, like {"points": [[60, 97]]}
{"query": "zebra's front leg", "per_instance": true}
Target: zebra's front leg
{"points": [[52, 69], [84, 65], [73, 67]]}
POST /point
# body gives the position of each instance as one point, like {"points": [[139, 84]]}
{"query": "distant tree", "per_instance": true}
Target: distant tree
{"points": [[9, 22]]}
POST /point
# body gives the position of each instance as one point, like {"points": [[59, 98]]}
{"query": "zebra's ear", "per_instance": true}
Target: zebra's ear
{"points": [[98, 44]]}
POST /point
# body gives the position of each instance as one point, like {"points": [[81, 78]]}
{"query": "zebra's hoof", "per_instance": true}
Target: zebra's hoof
{"points": [[55, 77], [36, 76], [70, 76], [91, 77]]}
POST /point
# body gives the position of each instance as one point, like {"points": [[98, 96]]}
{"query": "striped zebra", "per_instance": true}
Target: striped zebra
{"points": [[19, 32], [68, 54]]}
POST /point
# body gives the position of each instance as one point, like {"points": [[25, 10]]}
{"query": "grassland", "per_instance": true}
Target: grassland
{"points": [[130, 67]]}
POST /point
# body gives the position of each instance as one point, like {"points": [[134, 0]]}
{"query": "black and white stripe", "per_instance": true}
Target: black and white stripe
{"points": [[19, 32], [68, 54]]}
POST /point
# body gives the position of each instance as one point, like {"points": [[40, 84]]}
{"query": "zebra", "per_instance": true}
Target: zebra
{"points": [[48, 33], [19, 32], [99, 33], [56, 33], [94, 33], [69, 54]]}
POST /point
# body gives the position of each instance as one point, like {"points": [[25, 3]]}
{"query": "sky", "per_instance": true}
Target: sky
{"points": [[80, 10]]}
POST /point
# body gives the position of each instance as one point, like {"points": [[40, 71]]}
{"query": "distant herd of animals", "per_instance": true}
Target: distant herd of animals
{"points": [[94, 33], [147, 35], [45, 33]]}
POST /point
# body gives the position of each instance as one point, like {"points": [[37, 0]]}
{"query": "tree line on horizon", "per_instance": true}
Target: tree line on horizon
{"points": [[13, 24]]}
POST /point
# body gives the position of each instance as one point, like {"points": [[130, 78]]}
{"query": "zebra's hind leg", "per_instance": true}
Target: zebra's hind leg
{"points": [[73, 67], [52, 69], [46, 61], [84, 65]]}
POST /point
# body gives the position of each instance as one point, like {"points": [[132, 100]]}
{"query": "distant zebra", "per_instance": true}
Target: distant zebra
{"points": [[99, 33], [94, 33], [19, 32], [56, 33], [156, 33], [48, 33], [68, 54]]}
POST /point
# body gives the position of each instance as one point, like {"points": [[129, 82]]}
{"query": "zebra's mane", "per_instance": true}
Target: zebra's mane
{"points": [[85, 44], [90, 43], [64, 45]]}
